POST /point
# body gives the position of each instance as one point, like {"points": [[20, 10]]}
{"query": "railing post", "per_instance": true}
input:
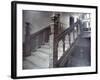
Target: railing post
{"points": [[77, 30], [69, 39], [51, 41], [54, 43], [27, 47], [55, 54], [74, 31], [79, 27], [63, 45], [73, 35]]}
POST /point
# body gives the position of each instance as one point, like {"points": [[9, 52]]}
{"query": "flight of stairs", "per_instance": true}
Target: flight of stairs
{"points": [[38, 59], [42, 58]]}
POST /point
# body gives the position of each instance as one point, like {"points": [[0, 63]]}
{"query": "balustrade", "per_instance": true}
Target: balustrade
{"points": [[64, 42], [34, 41], [40, 38]]}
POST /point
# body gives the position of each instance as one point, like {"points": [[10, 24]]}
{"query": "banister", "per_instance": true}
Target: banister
{"points": [[61, 36], [35, 40], [42, 30]]}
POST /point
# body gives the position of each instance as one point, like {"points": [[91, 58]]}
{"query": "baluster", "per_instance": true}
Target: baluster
{"points": [[63, 45], [43, 37], [69, 39], [79, 29], [34, 43], [47, 35], [42, 40], [38, 41], [71, 36], [74, 34]]}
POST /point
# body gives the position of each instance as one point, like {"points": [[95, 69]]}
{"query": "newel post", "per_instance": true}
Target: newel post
{"points": [[53, 42], [27, 47]]}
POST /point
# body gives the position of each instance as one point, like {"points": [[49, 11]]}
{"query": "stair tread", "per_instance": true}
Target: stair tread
{"points": [[47, 51], [29, 65], [45, 46], [38, 61], [40, 55], [47, 43]]}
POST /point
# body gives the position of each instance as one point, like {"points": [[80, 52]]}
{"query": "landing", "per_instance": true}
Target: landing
{"points": [[81, 53]]}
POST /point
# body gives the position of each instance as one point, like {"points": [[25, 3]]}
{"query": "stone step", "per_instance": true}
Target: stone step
{"points": [[28, 65], [44, 50], [47, 43], [40, 55], [45, 46], [38, 61]]}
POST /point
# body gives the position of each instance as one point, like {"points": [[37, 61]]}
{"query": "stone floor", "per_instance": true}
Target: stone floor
{"points": [[80, 55]]}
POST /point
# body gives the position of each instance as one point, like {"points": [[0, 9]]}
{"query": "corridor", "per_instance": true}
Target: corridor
{"points": [[80, 54]]}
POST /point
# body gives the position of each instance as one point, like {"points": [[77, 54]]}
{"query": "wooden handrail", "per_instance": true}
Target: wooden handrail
{"points": [[39, 38], [60, 37], [42, 30], [35, 40], [63, 34]]}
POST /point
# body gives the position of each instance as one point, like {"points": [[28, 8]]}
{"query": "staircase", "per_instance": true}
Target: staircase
{"points": [[38, 59], [42, 58]]}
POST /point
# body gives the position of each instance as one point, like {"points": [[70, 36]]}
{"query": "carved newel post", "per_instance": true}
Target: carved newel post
{"points": [[53, 43]]}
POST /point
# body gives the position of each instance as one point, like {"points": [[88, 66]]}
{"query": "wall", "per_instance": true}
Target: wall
{"points": [[65, 19], [37, 19], [41, 19]]}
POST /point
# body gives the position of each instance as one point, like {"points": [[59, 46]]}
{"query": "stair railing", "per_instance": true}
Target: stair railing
{"points": [[72, 33], [34, 41], [39, 38]]}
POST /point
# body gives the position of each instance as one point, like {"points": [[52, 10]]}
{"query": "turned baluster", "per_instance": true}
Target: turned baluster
{"points": [[69, 39], [63, 45]]}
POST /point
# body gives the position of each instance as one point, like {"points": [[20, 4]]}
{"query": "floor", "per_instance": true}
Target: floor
{"points": [[80, 55]]}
